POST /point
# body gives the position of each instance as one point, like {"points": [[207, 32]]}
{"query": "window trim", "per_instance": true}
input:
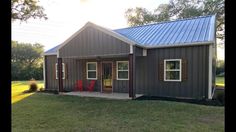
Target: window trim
{"points": [[180, 70], [117, 71], [63, 71], [91, 70]]}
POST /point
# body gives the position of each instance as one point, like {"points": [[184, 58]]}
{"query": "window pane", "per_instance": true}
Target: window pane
{"points": [[122, 65], [91, 66], [172, 65], [172, 75], [91, 74], [123, 74]]}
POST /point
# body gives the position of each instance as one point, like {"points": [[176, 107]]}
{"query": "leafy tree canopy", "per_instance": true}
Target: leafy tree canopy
{"points": [[24, 9], [26, 61]]}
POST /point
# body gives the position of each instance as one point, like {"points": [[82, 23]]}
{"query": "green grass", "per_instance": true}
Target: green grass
{"points": [[220, 81], [18, 87], [48, 112]]}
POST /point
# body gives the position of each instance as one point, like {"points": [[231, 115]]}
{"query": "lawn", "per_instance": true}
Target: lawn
{"points": [[220, 81], [18, 87], [49, 112]]}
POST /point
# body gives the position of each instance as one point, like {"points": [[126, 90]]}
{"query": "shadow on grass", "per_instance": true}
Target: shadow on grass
{"points": [[207, 102]]}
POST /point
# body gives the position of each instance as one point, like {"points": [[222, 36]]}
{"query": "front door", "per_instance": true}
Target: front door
{"points": [[107, 77]]}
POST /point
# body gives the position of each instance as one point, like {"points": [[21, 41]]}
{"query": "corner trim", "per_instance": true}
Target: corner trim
{"points": [[44, 72], [210, 73]]}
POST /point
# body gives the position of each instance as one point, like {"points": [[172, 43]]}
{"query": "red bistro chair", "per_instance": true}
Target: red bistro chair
{"points": [[79, 85], [90, 87]]}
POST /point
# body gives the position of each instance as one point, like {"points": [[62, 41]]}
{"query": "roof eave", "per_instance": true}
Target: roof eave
{"points": [[45, 54], [181, 45]]}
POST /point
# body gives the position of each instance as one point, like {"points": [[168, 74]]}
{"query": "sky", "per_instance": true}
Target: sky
{"points": [[65, 17]]}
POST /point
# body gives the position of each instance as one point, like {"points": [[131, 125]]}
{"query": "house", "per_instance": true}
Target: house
{"points": [[168, 59]]}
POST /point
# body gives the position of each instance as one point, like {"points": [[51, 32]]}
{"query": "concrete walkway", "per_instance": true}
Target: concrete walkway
{"points": [[101, 95]]}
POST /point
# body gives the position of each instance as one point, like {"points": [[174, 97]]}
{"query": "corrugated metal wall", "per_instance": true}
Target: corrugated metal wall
{"points": [[71, 76], [51, 82], [92, 42], [196, 86]]}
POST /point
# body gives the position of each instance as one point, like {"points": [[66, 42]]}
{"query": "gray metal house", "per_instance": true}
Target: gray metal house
{"points": [[168, 59]]}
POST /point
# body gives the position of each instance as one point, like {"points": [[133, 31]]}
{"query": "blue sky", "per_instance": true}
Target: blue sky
{"points": [[68, 16]]}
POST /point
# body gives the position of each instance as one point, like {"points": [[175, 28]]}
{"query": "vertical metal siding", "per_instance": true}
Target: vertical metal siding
{"points": [[52, 83], [71, 67], [92, 42], [195, 86]]}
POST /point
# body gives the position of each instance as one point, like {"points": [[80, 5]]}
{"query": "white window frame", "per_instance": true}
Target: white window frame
{"points": [[91, 70], [180, 70], [117, 71], [63, 71]]}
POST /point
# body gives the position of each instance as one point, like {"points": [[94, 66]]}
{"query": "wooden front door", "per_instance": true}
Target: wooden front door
{"points": [[107, 77]]}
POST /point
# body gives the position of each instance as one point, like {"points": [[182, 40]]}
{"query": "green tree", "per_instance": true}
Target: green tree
{"points": [[26, 61], [139, 16], [179, 9], [24, 9]]}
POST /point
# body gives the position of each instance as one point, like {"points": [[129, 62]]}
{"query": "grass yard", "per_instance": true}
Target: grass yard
{"points": [[48, 112], [18, 87], [220, 81]]}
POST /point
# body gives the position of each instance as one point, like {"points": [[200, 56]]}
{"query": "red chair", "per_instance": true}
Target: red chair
{"points": [[90, 87], [79, 85]]}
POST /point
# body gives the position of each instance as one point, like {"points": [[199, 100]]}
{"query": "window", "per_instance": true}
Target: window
{"points": [[63, 71], [172, 70], [91, 70], [122, 70]]}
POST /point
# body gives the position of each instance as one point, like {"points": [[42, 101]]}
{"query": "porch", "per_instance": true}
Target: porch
{"points": [[100, 95]]}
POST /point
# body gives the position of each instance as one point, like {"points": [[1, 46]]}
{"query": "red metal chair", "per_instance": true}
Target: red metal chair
{"points": [[90, 87], [79, 85]]}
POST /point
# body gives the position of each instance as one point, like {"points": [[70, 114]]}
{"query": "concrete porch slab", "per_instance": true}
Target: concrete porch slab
{"points": [[101, 95]]}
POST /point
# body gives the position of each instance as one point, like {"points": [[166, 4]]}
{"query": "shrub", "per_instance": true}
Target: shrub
{"points": [[33, 86]]}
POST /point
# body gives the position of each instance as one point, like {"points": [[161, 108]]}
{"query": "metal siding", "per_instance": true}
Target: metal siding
{"points": [[138, 51], [52, 83], [71, 71], [89, 45], [193, 87]]}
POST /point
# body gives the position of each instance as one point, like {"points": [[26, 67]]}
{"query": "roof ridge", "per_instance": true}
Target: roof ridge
{"points": [[155, 23]]}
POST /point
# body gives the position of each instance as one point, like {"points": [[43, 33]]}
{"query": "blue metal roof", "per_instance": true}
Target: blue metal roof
{"points": [[179, 32], [171, 33], [52, 50]]}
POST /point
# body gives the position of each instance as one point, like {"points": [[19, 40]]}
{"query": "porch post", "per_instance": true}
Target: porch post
{"points": [[132, 76], [60, 81]]}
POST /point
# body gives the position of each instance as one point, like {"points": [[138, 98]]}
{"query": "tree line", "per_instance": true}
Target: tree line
{"points": [[26, 61]]}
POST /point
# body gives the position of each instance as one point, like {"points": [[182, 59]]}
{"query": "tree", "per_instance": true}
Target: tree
{"points": [[179, 9], [24, 9], [139, 16], [26, 61]]}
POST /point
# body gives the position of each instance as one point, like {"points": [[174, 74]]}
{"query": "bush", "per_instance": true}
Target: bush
{"points": [[33, 86]]}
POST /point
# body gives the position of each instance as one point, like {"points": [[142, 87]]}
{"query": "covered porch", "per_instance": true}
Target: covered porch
{"points": [[101, 95]]}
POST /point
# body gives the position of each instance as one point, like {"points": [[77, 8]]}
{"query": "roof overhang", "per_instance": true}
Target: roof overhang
{"points": [[49, 54], [180, 45]]}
